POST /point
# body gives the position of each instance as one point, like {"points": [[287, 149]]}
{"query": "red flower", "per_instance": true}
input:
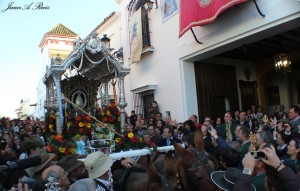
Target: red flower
{"points": [[88, 118], [81, 130], [134, 139], [105, 119], [85, 124], [52, 149], [78, 118], [111, 120], [119, 143], [67, 151]]}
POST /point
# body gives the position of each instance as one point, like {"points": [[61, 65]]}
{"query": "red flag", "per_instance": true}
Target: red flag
{"points": [[201, 12]]}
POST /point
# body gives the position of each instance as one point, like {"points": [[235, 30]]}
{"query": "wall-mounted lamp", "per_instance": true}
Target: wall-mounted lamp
{"points": [[148, 4], [105, 41]]}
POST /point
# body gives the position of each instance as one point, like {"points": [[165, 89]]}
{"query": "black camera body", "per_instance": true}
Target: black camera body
{"points": [[258, 154]]}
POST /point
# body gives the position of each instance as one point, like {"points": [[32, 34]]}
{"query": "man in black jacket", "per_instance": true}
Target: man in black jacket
{"points": [[168, 137]]}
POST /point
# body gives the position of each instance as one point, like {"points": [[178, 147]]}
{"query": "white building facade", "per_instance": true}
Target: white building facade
{"points": [[167, 71]]}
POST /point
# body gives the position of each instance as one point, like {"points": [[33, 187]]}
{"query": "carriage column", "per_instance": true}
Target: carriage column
{"points": [[58, 102], [122, 102], [106, 94]]}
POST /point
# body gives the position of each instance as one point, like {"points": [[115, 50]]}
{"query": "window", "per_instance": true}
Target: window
{"points": [[133, 7], [147, 100], [142, 102]]}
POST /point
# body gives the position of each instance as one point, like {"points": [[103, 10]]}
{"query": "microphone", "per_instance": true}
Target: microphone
{"points": [[22, 164]]}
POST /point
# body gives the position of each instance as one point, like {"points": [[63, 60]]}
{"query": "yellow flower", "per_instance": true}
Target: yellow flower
{"points": [[119, 118], [69, 124], [118, 140], [130, 135], [81, 124], [62, 150], [73, 151], [108, 112], [89, 125], [77, 136], [141, 140], [52, 116], [102, 113], [51, 128]]}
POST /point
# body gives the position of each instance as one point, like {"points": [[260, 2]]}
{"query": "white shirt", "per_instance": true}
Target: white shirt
{"points": [[106, 183]]}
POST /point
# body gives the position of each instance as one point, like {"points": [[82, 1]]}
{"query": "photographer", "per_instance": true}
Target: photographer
{"points": [[285, 176]]}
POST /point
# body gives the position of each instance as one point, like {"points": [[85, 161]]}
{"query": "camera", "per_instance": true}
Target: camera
{"points": [[258, 154], [209, 128], [34, 185]]}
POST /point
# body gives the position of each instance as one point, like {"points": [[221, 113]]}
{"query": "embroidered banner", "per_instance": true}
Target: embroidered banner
{"points": [[136, 39], [201, 12]]}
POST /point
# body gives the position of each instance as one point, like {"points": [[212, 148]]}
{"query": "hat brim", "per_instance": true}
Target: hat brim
{"points": [[78, 164], [40, 167], [101, 169], [218, 178]]}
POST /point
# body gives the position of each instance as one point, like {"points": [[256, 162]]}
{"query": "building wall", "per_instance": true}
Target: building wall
{"points": [[171, 68]]}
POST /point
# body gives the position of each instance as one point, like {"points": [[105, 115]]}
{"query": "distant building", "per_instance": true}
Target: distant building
{"points": [[25, 110], [55, 46]]}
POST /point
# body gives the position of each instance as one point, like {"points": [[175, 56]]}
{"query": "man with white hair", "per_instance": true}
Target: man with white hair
{"points": [[87, 184], [56, 174]]}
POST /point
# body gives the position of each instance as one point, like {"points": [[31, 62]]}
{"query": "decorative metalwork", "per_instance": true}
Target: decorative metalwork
{"points": [[122, 103], [228, 133], [94, 44], [106, 95], [101, 67], [79, 97], [119, 55], [265, 119], [52, 185], [79, 83]]}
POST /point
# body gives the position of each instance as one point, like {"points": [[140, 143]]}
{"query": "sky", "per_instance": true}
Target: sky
{"points": [[21, 31]]}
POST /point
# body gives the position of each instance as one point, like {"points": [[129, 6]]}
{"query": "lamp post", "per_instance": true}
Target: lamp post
{"points": [[105, 41], [149, 5]]}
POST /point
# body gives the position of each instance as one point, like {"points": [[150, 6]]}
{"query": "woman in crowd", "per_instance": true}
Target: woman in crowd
{"points": [[293, 150], [16, 145]]}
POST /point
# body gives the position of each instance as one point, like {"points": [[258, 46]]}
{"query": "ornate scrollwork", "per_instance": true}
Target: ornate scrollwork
{"points": [[94, 44], [118, 55]]}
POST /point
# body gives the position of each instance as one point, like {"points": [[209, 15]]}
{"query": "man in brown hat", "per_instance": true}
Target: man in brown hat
{"points": [[75, 168], [46, 162]]}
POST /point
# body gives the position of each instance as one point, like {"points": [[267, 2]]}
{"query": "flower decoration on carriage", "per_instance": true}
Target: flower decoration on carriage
{"points": [[50, 121], [60, 146], [83, 124], [129, 141], [109, 114]]}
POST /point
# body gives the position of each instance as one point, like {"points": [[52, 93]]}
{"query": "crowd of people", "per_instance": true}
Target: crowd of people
{"points": [[275, 165]]}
